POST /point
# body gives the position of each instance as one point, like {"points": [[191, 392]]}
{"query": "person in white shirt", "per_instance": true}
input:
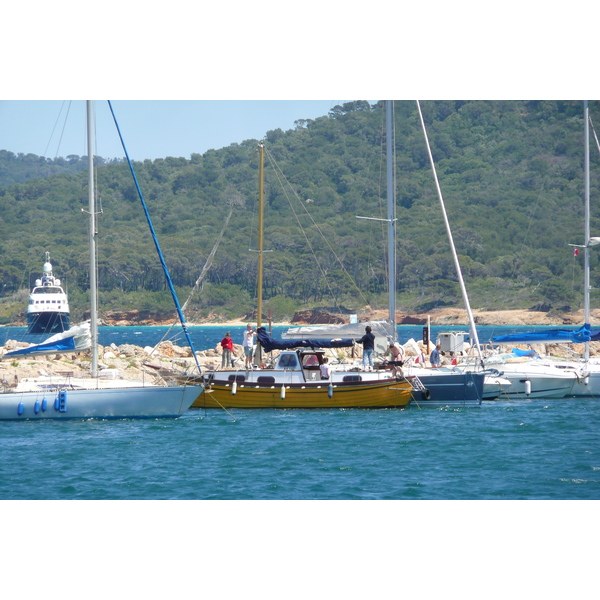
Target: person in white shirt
{"points": [[325, 368], [248, 344]]}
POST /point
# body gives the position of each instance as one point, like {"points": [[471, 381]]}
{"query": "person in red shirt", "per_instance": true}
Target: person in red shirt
{"points": [[227, 345]]}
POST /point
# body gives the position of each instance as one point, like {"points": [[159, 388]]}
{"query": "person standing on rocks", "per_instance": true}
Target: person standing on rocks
{"points": [[227, 346]]}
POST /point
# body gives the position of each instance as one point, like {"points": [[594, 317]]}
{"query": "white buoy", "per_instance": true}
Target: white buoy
{"points": [[234, 388], [330, 390], [282, 392], [527, 387]]}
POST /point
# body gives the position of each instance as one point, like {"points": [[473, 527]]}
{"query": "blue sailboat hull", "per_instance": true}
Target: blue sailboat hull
{"points": [[449, 388]]}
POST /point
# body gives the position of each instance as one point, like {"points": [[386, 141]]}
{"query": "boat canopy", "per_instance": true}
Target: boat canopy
{"points": [[269, 344], [581, 335]]}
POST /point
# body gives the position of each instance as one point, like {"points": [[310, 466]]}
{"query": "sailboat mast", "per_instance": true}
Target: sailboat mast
{"points": [[391, 216], [586, 252], [261, 226], [92, 235]]}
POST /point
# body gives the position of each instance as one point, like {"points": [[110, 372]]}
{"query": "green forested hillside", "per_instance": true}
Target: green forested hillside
{"points": [[511, 173]]}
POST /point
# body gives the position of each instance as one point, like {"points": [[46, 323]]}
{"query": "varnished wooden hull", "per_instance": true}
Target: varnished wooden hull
{"points": [[385, 394]]}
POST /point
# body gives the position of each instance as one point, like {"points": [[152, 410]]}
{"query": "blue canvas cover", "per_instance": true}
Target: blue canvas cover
{"points": [[269, 344], [583, 334]]}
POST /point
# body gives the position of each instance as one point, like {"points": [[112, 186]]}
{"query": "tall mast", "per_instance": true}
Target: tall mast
{"points": [[391, 215], [472, 328], [92, 235], [586, 251], [391, 218], [261, 226]]}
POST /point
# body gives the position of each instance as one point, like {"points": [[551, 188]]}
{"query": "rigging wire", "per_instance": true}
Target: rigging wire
{"points": [[205, 269], [279, 174], [594, 132], [54, 129], [383, 176], [209, 261], [63, 128], [382, 225]]}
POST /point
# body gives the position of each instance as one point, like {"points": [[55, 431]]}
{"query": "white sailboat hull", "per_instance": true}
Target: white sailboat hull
{"points": [[587, 386], [531, 379], [495, 386], [537, 383], [124, 403], [587, 382]]}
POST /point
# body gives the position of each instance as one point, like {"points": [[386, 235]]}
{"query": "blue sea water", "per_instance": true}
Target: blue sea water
{"points": [[503, 450]]}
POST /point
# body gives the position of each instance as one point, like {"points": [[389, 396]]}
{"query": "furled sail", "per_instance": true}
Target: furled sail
{"points": [[76, 339], [352, 330], [269, 344]]}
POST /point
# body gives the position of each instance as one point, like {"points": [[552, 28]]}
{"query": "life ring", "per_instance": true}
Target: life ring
{"points": [[425, 395]]}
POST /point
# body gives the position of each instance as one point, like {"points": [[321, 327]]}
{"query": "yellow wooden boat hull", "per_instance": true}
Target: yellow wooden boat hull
{"points": [[385, 394]]}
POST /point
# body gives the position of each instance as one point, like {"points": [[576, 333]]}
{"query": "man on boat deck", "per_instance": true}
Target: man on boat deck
{"points": [[325, 368], [434, 358], [248, 344], [368, 342], [396, 353]]}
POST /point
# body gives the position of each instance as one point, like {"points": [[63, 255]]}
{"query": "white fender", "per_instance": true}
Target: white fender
{"points": [[282, 392], [234, 388]]}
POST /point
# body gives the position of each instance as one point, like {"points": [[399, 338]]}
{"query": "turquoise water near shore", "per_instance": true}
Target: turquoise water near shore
{"points": [[205, 337]]}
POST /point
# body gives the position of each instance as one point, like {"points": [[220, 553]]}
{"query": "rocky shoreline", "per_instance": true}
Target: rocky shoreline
{"points": [[444, 316]]}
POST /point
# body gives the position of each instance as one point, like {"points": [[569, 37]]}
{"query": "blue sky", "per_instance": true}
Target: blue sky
{"points": [[267, 66], [151, 129]]}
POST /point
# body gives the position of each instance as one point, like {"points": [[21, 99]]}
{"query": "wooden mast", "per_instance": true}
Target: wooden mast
{"points": [[261, 227]]}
